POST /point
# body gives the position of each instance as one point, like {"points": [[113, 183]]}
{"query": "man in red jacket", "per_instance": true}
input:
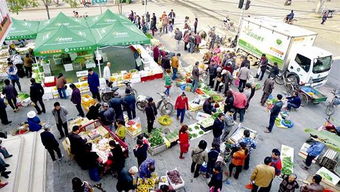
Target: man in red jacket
{"points": [[181, 105]]}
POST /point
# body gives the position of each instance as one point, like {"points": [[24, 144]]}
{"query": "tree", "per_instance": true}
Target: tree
{"points": [[16, 6]]}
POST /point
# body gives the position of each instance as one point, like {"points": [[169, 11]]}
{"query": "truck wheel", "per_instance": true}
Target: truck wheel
{"points": [[293, 79], [304, 99]]}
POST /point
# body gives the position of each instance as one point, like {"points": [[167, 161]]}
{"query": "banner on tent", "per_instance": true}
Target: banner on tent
{"points": [[98, 1]]}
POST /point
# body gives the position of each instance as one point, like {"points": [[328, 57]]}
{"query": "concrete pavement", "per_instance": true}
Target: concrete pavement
{"points": [[311, 116]]}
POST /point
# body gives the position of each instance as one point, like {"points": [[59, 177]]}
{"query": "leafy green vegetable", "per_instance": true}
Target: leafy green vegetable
{"points": [[201, 132], [156, 138], [197, 127]]}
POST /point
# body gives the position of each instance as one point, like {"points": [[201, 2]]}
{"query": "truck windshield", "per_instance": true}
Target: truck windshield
{"points": [[322, 64]]}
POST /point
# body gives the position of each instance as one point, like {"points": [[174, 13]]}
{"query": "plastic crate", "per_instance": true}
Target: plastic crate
{"points": [[328, 163]]}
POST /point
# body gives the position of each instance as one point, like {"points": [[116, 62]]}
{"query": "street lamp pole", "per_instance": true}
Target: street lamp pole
{"points": [[241, 18]]}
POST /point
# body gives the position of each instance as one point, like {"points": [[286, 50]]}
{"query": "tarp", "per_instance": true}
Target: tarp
{"points": [[120, 35], [106, 19], [331, 140], [64, 40], [61, 20], [22, 29]]}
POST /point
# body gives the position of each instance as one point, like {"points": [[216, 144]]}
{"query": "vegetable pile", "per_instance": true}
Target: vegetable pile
{"points": [[174, 177], [145, 185], [156, 138], [287, 166], [165, 120]]}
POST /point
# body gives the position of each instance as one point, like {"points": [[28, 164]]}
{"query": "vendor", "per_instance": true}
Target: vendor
{"points": [[77, 145], [147, 168], [33, 121], [293, 101], [314, 186], [117, 158], [208, 106], [165, 188]]}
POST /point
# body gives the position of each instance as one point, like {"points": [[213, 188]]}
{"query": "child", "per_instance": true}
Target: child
{"points": [[167, 82], [228, 123]]}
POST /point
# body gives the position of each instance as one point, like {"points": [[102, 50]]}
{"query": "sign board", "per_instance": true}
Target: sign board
{"points": [[68, 67], [81, 73], [98, 1], [5, 20], [90, 65]]}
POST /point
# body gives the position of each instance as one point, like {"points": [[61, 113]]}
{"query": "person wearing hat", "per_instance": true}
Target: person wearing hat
{"points": [[151, 113], [215, 183], [50, 143], [125, 179], [33, 121], [107, 73], [107, 115], [60, 116], [181, 105], [262, 176], [129, 102], [36, 94], [116, 104]]}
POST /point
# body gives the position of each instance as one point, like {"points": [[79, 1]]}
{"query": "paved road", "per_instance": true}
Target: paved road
{"points": [[334, 77]]}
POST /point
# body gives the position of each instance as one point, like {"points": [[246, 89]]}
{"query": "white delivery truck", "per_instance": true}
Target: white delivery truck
{"points": [[288, 45]]}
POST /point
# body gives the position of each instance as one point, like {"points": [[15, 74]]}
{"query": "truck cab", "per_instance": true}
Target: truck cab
{"points": [[309, 65]]}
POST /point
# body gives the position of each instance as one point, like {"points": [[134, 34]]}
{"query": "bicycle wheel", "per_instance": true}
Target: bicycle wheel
{"points": [[289, 88], [330, 109], [279, 79], [134, 91], [304, 99], [167, 109], [140, 106]]}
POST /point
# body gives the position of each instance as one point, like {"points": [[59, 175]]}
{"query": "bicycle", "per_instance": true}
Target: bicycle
{"points": [[164, 104], [289, 83], [330, 108]]}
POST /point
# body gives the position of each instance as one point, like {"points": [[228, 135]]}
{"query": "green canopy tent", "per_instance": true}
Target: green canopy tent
{"points": [[61, 20], [22, 29], [64, 40], [119, 35], [108, 18]]}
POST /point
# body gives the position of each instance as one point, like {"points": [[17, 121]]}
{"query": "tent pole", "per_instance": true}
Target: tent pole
{"points": [[98, 57]]}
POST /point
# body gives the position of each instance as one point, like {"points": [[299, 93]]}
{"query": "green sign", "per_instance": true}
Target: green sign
{"points": [[98, 1]]}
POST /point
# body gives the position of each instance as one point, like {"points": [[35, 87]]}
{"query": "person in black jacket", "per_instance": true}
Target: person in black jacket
{"points": [[208, 106], [36, 94], [212, 69], [77, 145], [218, 128], [50, 143], [215, 183], [116, 103], [141, 151], [229, 101], [11, 95], [129, 102], [93, 112], [117, 157], [3, 113], [274, 71], [125, 179], [151, 112]]}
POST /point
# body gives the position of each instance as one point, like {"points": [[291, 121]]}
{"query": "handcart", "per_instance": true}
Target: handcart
{"points": [[233, 138], [309, 94]]}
